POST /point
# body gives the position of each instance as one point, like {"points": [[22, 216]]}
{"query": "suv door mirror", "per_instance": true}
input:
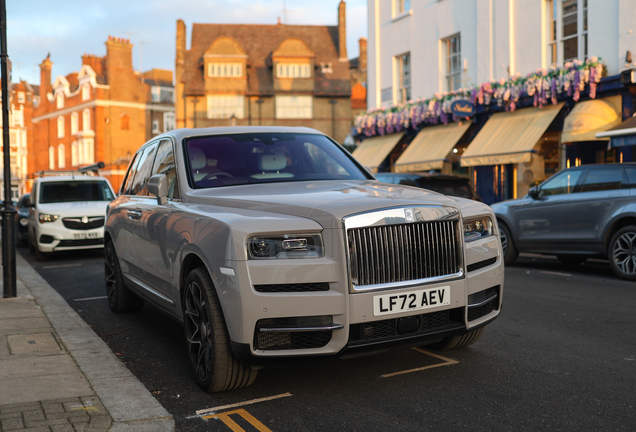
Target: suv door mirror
{"points": [[534, 192], [158, 186]]}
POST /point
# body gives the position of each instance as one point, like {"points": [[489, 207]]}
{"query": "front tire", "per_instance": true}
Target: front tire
{"points": [[510, 252], [214, 365], [622, 253], [457, 342], [120, 298]]}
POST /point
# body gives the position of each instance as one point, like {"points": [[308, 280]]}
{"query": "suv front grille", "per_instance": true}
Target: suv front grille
{"points": [[404, 252], [83, 223]]}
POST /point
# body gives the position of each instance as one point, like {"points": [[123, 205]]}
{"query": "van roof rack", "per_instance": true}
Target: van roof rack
{"points": [[85, 170]]}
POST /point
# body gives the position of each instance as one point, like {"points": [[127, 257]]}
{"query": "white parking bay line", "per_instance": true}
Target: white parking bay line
{"points": [[91, 298], [447, 362], [62, 266], [250, 402], [556, 273]]}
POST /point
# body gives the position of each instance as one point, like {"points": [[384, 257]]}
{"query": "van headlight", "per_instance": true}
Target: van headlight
{"points": [[44, 218], [285, 246], [477, 228]]}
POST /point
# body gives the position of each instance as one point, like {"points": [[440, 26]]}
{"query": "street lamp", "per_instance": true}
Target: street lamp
{"points": [[333, 103], [259, 101]]}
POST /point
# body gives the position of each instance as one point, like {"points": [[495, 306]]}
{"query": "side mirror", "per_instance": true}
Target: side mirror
{"points": [[158, 186], [27, 203], [534, 192]]}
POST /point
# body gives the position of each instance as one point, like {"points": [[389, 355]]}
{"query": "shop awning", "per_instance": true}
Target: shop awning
{"points": [[429, 148], [372, 152], [591, 117], [509, 137], [622, 135]]}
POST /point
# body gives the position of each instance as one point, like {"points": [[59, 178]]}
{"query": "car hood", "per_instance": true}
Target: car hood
{"points": [[326, 202], [75, 208]]}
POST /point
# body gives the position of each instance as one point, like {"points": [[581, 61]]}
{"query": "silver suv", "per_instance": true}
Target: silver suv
{"points": [[270, 243], [579, 213]]}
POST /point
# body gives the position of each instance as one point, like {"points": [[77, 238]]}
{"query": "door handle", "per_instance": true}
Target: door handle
{"points": [[134, 214]]}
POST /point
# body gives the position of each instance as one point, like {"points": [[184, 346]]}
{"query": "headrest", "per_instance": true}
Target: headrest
{"points": [[272, 162], [197, 158]]}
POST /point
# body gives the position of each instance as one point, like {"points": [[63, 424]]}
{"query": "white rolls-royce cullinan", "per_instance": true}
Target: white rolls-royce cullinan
{"points": [[274, 243]]}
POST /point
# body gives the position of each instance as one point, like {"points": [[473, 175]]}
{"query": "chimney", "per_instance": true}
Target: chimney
{"points": [[181, 49], [95, 62], [118, 56], [363, 54], [342, 31], [45, 78]]}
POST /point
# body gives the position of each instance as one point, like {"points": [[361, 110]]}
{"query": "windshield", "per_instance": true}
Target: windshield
{"points": [[225, 160], [69, 191]]}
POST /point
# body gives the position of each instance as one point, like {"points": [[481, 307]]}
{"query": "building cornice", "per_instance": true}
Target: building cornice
{"points": [[103, 103]]}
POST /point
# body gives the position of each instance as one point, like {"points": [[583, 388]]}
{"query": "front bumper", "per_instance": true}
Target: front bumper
{"points": [[55, 237]]}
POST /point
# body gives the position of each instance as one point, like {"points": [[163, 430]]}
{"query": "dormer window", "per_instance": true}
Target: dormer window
{"points": [[225, 70], [60, 100], [293, 70]]}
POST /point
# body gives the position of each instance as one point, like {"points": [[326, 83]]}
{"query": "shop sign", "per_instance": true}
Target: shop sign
{"points": [[463, 108]]}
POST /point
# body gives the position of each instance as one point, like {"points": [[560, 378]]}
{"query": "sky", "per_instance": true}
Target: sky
{"points": [[70, 28]]}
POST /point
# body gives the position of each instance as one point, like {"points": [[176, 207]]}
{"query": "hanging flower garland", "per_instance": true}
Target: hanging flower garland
{"points": [[544, 86]]}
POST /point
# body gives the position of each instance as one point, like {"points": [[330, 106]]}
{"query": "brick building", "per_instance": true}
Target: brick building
{"points": [[285, 75], [358, 70], [24, 99], [102, 113]]}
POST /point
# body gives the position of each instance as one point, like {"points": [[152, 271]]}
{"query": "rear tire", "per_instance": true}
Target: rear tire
{"points": [[457, 342], [622, 253], [120, 298], [214, 365], [510, 252]]}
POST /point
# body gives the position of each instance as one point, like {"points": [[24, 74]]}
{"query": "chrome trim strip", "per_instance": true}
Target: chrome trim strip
{"points": [[140, 284], [405, 284], [300, 329], [488, 300]]}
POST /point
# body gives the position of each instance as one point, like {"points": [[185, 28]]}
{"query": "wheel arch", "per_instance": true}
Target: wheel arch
{"points": [[615, 226]]}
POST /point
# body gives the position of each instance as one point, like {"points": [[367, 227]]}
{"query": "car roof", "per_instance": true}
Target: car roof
{"points": [[180, 134], [79, 177], [601, 166]]}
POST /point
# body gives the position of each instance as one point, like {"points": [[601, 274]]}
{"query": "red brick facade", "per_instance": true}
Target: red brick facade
{"points": [[103, 113]]}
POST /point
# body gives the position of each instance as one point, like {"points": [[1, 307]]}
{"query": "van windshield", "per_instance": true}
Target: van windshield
{"points": [[70, 191]]}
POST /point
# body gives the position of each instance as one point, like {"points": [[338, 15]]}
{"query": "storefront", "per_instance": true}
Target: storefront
{"points": [[374, 153]]}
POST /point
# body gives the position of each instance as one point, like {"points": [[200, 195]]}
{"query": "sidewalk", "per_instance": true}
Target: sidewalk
{"points": [[56, 374]]}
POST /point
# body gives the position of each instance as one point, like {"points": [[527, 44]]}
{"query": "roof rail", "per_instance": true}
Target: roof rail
{"points": [[86, 169]]}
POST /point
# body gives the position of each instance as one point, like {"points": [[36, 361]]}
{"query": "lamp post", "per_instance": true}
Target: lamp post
{"points": [[8, 211], [259, 102], [333, 103]]}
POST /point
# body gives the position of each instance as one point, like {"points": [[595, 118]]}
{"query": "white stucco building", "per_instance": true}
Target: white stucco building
{"points": [[417, 48]]}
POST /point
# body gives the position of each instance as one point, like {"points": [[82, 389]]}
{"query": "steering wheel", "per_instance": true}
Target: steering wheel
{"points": [[216, 174]]}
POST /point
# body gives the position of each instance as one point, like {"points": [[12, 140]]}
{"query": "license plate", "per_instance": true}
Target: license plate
{"points": [[80, 236], [411, 301]]}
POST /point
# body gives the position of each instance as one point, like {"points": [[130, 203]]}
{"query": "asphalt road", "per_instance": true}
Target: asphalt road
{"points": [[562, 356]]}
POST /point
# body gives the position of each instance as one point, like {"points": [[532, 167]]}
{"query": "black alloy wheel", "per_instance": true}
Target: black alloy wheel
{"points": [[215, 367], [120, 298], [622, 253]]}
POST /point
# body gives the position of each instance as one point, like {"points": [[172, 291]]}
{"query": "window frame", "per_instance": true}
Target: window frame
{"points": [[450, 74], [403, 77], [226, 111], [225, 70], [280, 109]]}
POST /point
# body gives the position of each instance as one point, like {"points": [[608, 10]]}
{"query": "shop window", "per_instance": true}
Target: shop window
{"points": [[452, 47], [294, 107], [60, 127], [403, 70], [225, 70], [226, 106], [293, 70], [61, 156], [125, 122]]}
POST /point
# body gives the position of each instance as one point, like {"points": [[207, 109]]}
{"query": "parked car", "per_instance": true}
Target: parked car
{"points": [[445, 184], [273, 244], [68, 213], [578, 213], [22, 218]]}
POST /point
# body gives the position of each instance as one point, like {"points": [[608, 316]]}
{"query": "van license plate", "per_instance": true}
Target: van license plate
{"points": [[80, 236]]}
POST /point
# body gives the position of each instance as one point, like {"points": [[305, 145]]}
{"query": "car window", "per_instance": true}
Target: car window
{"points": [[225, 160], [140, 182], [602, 179], [562, 183], [74, 191], [164, 164], [132, 169], [631, 176]]}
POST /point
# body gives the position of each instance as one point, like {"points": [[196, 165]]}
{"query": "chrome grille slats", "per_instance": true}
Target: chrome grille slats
{"points": [[404, 252]]}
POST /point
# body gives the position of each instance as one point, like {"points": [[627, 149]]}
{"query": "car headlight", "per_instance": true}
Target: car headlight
{"points": [[474, 229], [44, 218], [24, 221], [285, 246]]}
